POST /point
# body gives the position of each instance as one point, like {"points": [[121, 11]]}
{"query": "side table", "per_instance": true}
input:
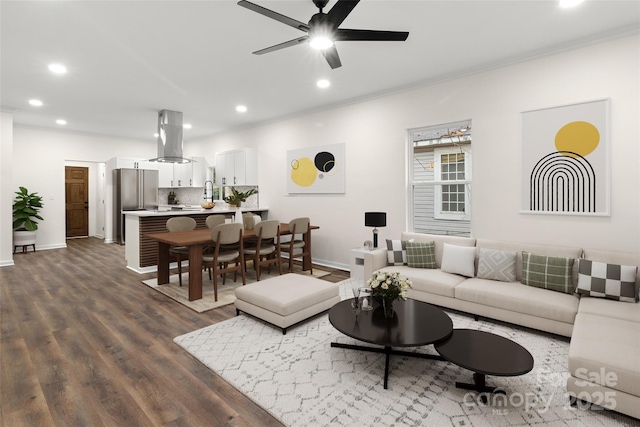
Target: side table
{"points": [[356, 263]]}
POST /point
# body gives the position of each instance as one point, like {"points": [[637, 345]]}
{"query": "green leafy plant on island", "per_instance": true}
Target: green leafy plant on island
{"points": [[25, 208], [237, 197]]}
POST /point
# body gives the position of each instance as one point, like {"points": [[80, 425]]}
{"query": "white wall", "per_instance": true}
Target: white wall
{"points": [[6, 188], [374, 132], [43, 156]]}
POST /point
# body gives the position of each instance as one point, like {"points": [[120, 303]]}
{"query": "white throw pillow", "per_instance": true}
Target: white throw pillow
{"points": [[458, 259]]}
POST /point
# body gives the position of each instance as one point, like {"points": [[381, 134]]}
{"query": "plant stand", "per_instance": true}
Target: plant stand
{"points": [[24, 239], [24, 247]]}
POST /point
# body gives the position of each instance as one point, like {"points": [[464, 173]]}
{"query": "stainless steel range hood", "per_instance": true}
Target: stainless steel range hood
{"points": [[170, 137]]}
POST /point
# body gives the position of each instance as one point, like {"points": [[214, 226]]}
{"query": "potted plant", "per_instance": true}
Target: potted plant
{"points": [[25, 210], [236, 197]]}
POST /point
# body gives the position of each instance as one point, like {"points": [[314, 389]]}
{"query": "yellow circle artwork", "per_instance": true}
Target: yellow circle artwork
{"points": [[303, 172], [578, 137]]}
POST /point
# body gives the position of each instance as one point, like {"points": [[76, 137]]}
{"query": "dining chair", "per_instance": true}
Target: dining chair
{"points": [[248, 221], [298, 228], [180, 223], [228, 248], [266, 250], [213, 220]]}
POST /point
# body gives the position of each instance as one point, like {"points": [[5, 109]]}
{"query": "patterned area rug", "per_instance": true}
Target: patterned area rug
{"points": [[226, 293], [303, 381]]}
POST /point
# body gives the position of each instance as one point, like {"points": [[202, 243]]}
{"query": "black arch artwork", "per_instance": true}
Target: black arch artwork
{"points": [[562, 181]]}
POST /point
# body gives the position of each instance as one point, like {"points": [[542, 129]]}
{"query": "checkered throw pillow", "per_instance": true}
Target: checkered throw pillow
{"points": [[396, 252], [421, 254], [547, 272], [601, 280]]}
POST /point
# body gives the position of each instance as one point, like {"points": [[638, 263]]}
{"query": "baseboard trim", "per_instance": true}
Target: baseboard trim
{"points": [[42, 248]]}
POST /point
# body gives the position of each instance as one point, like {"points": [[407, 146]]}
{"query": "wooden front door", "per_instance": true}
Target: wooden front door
{"points": [[76, 180]]}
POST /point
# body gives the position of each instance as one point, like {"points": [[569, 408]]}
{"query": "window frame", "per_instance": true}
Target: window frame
{"points": [[438, 137], [438, 183]]}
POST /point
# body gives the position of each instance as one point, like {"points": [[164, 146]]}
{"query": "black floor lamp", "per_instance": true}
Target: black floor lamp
{"points": [[375, 219]]}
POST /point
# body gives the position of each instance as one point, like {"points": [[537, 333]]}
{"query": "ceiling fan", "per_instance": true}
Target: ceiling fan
{"points": [[322, 29]]}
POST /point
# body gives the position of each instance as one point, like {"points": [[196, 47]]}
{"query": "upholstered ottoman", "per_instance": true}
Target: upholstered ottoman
{"points": [[286, 300]]}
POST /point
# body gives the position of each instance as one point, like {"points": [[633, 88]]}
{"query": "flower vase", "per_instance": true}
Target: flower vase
{"points": [[387, 306], [238, 217]]}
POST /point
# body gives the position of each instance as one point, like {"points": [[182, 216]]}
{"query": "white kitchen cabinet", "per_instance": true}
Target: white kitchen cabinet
{"points": [[182, 174], [165, 175], [200, 169], [237, 167], [177, 175]]}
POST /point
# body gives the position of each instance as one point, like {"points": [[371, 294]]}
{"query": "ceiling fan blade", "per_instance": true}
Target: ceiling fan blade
{"points": [[345, 34], [274, 15], [331, 55], [290, 43], [340, 11]]}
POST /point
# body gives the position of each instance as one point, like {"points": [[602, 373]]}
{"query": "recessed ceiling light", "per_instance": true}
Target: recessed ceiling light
{"points": [[241, 109], [57, 68], [570, 3], [155, 135], [187, 126], [61, 122], [323, 83], [35, 102]]}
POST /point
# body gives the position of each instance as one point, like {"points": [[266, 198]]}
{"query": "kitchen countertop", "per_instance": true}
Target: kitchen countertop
{"points": [[189, 211]]}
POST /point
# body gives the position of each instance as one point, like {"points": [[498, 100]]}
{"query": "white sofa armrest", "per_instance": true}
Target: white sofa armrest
{"points": [[374, 260]]}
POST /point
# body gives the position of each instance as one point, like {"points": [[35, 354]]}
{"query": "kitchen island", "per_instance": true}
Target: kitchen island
{"points": [[141, 253]]}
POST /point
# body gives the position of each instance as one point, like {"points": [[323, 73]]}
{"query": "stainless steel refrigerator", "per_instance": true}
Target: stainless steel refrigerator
{"points": [[133, 190]]}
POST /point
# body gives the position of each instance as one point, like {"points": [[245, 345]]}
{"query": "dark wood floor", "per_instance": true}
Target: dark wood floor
{"points": [[85, 343]]}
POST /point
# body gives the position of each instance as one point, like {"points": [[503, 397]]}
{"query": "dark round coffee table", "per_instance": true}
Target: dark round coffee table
{"points": [[485, 354], [415, 324]]}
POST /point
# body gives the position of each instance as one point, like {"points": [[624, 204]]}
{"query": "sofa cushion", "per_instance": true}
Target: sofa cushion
{"points": [[396, 252], [421, 254], [606, 350], [547, 272], [602, 280], [610, 308], [497, 265], [458, 260], [433, 281], [519, 298]]}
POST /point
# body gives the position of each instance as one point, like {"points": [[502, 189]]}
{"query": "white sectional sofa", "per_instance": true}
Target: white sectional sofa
{"points": [[604, 354]]}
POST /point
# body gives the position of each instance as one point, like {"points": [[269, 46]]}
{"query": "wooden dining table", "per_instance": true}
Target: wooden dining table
{"points": [[195, 240]]}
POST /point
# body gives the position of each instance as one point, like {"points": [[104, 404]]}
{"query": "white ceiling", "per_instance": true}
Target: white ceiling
{"points": [[127, 60]]}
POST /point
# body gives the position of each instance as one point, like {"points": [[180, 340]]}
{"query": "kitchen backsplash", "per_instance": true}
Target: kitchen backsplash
{"points": [[195, 197]]}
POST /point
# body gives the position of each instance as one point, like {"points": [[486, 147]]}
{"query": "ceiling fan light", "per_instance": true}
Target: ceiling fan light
{"points": [[57, 68], [320, 42]]}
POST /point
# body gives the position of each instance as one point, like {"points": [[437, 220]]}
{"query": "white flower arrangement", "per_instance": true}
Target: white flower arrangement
{"points": [[389, 285]]}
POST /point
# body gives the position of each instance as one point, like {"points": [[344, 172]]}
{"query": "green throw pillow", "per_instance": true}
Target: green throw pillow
{"points": [[421, 254], [547, 272]]}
